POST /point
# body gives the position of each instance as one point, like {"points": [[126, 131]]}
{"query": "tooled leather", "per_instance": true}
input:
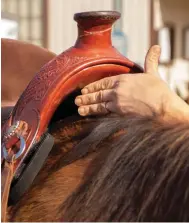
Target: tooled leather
{"points": [[42, 81], [32, 106], [62, 75]]}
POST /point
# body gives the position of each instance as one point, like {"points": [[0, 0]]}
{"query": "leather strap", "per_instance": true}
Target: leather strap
{"points": [[6, 179], [36, 162]]}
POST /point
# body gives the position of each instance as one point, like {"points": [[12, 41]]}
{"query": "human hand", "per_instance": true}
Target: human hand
{"points": [[130, 92]]}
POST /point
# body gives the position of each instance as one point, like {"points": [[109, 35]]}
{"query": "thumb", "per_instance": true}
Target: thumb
{"points": [[152, 60]]}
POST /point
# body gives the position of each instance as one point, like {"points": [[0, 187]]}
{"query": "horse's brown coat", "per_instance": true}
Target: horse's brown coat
{"points": [[53, 185], [47, 200], [19, 63]]}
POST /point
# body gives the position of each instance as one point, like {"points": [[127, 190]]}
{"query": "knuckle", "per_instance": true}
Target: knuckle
{"points": [[99, 96], [95, 87], [83, 99], [116, 83], [117, 91], [101, 108], [109, 83], [105, 83], [153, 57], [91, 109], [86, 99]]}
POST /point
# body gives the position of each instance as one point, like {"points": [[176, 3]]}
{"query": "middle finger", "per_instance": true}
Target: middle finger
{"points": [[95, 98]]}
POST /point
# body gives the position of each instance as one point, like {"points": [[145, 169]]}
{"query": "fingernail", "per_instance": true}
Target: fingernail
{"points": [[84, 91], [82, 111], [78, 101]]}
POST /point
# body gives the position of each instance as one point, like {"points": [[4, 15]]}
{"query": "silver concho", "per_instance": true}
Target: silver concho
{"points": [[12, 131]]}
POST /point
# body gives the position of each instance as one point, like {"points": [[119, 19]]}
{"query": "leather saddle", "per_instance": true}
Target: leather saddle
{"points": [[50, 95]]}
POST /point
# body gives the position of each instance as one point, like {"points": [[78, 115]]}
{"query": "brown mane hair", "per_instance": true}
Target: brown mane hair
{"points": [[132, 168], [142, 176]]}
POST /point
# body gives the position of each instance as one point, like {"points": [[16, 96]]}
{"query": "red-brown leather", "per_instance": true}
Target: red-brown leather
{"points": [[92, 58]]}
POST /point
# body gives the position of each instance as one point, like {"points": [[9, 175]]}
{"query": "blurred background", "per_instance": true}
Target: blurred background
{"points": [[50, 24]]}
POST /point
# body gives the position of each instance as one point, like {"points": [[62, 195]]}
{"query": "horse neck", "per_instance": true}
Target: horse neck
{"points": [[62, 173]]}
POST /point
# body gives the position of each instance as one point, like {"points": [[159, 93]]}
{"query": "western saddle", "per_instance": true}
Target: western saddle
{"points": [[26, 141]]}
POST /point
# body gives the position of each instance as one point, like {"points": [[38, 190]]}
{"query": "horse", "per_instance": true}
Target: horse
{"points": [[20, 62], [111, 168], [130, 168]]}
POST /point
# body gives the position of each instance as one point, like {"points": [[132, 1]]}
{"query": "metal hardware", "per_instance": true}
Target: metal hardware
{"points": [[11, 130], [17, 130], [19, 153]]}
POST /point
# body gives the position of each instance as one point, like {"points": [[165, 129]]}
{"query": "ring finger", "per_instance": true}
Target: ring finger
{"points": [[94, 109]]}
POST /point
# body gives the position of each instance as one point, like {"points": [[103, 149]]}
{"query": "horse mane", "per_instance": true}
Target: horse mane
{"points": [[142, 175], [133, 168]]}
